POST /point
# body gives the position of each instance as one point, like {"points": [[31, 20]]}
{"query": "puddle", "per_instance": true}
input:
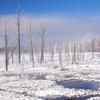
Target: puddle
{"points": [[57, 98], [88, 97], [79, 84]]}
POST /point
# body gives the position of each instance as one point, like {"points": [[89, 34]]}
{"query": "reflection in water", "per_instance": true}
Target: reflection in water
{"points": [[79, 84], [57, 98], [71, 98]]}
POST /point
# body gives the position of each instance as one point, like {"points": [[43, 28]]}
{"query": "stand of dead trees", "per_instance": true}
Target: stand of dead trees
{"points": [[68, 51]]}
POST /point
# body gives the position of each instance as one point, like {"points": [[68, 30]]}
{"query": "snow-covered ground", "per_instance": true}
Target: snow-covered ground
{"points": [[51, 81]]}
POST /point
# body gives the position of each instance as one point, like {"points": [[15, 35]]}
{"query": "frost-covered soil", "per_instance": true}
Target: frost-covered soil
{"points": [[22, 82]]}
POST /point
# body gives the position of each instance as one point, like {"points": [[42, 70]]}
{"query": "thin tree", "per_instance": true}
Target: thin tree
{"points": [[74, 53], [93, 48], [19, 31], [42, 43], [12, 55], [52, 52], [80, 51], [65, 51], [60, 55], [6, 49], [31, 46]]}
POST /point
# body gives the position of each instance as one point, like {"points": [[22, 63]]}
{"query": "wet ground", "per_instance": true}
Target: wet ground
{"points": [[79, 84]]}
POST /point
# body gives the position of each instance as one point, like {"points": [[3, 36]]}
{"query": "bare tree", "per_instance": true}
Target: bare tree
{"points": [[37, 53], [80, 51], [31, 46], [93, 47], [60, 55], [74, 53], [67, 51], [52, 51], [6, 49], [12, 55], [99, 45], [42, 43], [77, 52], [18, 27]]}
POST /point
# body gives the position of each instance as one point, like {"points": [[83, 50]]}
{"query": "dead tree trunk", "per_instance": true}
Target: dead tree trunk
{"points": [[31, 47], [65, 51], [18, 27], [74, 54], [98, 45], [80, 52], [6, 50], [12, 55], [77, 53], [93, 48], [52, 51], [42, 44], [60, 55]]}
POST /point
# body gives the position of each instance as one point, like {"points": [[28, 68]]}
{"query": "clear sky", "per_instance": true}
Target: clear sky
{"points": [[68, 7]]}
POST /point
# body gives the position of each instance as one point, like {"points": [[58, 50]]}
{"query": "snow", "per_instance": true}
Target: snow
{"points": [[25, 82]]}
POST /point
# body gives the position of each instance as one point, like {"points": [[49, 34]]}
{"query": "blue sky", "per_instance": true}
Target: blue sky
{"points": [[65, 7], [63, 18]]}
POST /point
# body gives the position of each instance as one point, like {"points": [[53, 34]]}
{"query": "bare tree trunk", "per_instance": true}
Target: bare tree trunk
{"points": [[42, 44], [74, 54], [6, 51], [80, 52], [18, 26], [83, 52], [65, 52], [31, 47], [98, 45], [60, 56], [93, 48], [52, 52], [77, 53], [68, 52], [12, 54], [37, 53]]}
